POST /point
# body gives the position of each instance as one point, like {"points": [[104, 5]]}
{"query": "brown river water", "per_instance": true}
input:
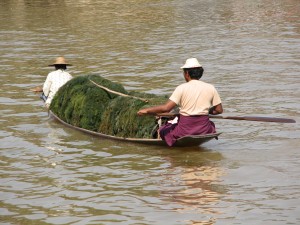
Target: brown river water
{"points": [[250, 50]]}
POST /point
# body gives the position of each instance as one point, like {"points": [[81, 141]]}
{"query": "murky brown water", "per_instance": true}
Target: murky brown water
{"points": [[51, 174]]}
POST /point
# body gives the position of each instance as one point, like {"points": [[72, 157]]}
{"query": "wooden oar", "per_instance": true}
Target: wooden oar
{"points": [[248, 118], [254, 118]]}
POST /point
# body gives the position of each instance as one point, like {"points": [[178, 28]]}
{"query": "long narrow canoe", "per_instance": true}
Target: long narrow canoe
{"points": [[187, 141]]}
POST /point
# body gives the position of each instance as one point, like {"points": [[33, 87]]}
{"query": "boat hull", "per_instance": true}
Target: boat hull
{"points": [[192, 140]]}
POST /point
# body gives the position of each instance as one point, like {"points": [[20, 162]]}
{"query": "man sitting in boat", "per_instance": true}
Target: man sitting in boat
{"points": [[55, 80], [196, 99]]}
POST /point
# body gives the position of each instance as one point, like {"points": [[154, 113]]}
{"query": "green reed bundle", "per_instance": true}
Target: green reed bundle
{"points": [[109, 110]]}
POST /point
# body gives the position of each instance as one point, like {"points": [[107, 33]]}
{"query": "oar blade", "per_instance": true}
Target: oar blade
{"points": [[269, 119]]}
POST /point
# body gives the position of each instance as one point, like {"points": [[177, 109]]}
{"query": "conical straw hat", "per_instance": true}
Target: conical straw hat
{"points": [[60, 61]]}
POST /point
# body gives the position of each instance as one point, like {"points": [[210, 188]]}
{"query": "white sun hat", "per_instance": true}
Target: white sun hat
{"points": [[191, 63]]}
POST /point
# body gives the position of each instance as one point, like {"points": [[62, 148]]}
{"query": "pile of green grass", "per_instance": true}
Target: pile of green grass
{"points": [[84, 104]]}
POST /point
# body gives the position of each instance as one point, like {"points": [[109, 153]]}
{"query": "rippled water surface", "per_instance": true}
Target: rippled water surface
{"points": [[51, 174]]}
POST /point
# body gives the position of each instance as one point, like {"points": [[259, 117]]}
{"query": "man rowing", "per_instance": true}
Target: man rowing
{"points": [[196, 100]]}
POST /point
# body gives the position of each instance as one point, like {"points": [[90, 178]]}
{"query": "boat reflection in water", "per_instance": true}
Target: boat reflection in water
{"points": [[192, 185]]}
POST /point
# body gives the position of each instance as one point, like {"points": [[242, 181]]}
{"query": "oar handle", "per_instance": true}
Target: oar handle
{"points": [[167, 114]]}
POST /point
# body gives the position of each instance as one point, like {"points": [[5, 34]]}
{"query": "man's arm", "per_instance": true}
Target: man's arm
{"points": [[46, 86], [167, 107], [37, 89], [218, 109]]}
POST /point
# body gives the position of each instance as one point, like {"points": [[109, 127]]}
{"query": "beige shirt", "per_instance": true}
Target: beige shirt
{"points": [[195, 97], [53, 82]]}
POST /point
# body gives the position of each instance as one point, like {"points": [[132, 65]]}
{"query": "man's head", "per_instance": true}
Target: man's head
{"points": [[194, 73], [193, 68]]}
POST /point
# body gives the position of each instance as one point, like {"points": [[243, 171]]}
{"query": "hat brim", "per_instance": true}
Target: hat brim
{"points": [[60, 64], [185, 67]]}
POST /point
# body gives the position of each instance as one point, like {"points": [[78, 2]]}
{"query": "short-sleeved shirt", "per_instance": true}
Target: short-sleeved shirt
{"points": [[195, 97], [53, 82]]}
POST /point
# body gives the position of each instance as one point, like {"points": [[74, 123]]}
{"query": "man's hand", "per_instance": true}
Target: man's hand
{"points": [[142, 112], [37, 89]]}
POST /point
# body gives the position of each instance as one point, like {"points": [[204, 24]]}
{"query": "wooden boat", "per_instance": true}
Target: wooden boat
{"points": [[187, 141]]}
